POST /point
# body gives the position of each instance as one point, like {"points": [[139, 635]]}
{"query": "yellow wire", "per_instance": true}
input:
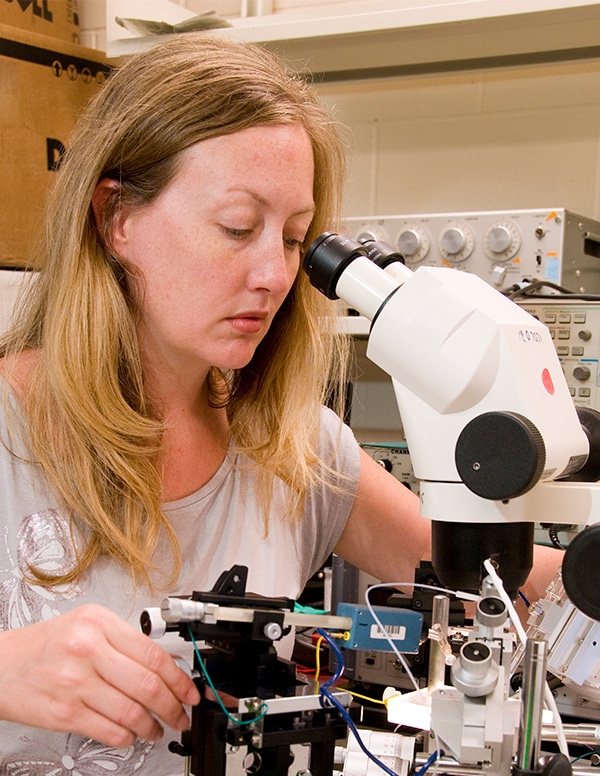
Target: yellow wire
{"points": [[318, 669], [364, 697], [318, 659]]}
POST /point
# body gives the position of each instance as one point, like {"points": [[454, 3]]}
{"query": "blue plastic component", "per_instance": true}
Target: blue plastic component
{"points": [[403, 626]]}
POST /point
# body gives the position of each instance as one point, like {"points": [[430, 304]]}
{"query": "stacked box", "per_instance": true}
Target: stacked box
{"points": [[44, 84], [54, 18]]}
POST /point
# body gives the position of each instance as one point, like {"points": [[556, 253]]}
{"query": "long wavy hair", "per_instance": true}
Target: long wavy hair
{"points": [[91, 427]]}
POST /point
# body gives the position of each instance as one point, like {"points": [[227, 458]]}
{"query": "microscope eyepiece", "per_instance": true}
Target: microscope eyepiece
{"points": [[327, 257]]}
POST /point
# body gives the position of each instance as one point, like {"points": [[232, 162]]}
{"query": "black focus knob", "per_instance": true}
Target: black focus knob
{"points": [[500, 455], [581, 571]]}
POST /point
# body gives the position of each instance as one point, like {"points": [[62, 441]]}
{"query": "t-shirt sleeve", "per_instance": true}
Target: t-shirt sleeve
{"points": [[329, 503]]}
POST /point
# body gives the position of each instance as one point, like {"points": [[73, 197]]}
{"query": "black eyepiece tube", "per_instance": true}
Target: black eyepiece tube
{"points": [[327, 257]]}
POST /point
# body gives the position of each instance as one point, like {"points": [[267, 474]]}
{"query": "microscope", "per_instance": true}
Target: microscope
{"points": [[497, 445]]}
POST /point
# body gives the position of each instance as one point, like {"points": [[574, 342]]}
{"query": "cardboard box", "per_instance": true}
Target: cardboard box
{"points": [[54, 18], [44, 84]]}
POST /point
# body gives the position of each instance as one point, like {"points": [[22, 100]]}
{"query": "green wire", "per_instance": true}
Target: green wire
{"points": [[229, 716], [583, 756], [308, 609]]}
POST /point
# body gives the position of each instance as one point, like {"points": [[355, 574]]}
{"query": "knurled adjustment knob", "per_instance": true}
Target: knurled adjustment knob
{"points": [[500, 455], [386, 464], [581, 571], [590, 470]]}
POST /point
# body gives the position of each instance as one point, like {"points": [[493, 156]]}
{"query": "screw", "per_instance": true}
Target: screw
{"points": [[273, 631]]}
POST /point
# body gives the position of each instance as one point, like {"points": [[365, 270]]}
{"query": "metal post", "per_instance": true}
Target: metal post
{"points": [[439, 622], [532, 704]]}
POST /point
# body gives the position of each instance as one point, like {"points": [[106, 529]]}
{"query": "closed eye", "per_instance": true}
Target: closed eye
{"points": [[240, 233]]}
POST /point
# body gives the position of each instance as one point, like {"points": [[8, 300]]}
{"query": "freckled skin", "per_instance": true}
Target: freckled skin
{"points": [[219, 248]]}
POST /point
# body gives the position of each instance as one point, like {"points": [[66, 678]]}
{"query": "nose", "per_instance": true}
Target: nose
{"points": [[275, 269]]}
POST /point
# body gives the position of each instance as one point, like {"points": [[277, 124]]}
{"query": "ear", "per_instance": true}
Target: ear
{"points": [[109, 213]]}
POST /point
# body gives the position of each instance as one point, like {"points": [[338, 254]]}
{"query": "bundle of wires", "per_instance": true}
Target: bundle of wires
{"points": [[328, 699]]}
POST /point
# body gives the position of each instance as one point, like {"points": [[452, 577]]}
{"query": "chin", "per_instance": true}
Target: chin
{"points": [[234, 363]]}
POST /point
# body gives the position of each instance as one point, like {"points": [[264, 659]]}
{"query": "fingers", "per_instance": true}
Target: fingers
{"points": [[141, 679], [149, 655], [145, 690], [90, 672], [113, 719]]}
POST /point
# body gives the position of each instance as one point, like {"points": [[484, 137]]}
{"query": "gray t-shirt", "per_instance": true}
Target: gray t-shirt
{"points": [[218, 526]]}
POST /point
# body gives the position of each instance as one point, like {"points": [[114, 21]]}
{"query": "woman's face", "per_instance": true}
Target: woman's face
{"points": [[218, 250]]}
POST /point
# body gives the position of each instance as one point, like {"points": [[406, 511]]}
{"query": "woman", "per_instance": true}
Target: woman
{"points": [[163, 392]]}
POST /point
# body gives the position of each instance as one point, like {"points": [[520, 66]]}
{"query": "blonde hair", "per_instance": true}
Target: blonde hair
{"points": [[92, 429]]}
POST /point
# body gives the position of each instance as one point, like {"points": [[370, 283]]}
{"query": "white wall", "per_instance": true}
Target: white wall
{"points": [[512, 138], [523, 137], [12, 282]]}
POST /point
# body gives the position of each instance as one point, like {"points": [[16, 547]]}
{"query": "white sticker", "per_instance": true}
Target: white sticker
{"points": [[394, 632]]}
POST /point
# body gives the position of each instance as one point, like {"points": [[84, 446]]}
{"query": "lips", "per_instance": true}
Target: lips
{"points": [[248, 322]]}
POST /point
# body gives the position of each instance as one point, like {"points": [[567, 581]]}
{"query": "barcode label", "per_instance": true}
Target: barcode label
{"points": [[394, 632]]}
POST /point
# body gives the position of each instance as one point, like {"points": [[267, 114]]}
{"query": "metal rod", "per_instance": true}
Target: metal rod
{"points": [[575, 734], [532, 704], [453, 768], [439, 621]]}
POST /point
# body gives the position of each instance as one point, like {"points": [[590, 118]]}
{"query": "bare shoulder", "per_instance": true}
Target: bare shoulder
{"points": [[18, 370]]}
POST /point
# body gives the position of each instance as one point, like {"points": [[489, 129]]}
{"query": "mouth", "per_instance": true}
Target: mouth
{"points": [[250, 322]]}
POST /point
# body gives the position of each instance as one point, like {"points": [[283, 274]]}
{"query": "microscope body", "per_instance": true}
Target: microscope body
{"points": [[486, 410], [497, 445], [459, 354]]}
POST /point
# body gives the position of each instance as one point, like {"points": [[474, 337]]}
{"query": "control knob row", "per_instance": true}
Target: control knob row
{"points": [[456, 242]]}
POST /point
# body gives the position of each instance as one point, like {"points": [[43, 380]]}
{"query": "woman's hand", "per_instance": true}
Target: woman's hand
{"points": [[90, 672]]}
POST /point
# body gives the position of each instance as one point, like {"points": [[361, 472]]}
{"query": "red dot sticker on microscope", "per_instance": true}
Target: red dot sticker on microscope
{"points": [[547, 381]]}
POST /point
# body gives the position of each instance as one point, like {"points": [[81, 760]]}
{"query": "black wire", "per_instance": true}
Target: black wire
{"points": [[553, 536], [553, 531], [516, 291]]}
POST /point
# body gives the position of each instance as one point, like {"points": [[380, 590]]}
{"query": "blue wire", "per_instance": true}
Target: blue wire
{"points": [[350, 722], [324, 691], [429, 762], [339, 658]]}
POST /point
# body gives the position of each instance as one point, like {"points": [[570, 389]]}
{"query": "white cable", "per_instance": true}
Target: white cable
{"points": [[399, 655], [457, 594], [548, 697], [386, 635], [506, 600]]}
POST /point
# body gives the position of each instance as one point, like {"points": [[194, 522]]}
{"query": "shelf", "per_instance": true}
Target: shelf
{"points": [[372, 39]]}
